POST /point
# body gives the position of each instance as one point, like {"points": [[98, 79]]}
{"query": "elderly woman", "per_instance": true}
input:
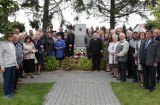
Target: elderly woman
{"points": [[112, 58], [29, 57], [39, 54], [60, 46], [105, 44], [50, 45], [137, 61]]}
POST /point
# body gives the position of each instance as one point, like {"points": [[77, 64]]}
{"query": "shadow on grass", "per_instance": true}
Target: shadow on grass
{"points": [[27, 94], [132, 94]]}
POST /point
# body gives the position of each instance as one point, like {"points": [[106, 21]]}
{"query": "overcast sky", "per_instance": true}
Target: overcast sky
{"points": [[92, 21]]}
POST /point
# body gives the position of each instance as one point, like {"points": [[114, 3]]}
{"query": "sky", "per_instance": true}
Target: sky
{"points": [[92, 21]]}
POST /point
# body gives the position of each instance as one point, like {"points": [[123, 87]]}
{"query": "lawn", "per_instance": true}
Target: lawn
{"points": [[27, 94], [132, 94]]}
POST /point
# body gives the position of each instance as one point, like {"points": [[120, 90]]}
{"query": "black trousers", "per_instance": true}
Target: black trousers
{"points": [[135, 73], [88, 53], [122, 69], [129, 68], [149, 76], [158, 71], [18, 74], [96, 61]]}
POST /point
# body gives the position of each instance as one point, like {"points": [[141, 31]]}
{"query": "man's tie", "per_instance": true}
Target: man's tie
{"points": [[146, 44]]}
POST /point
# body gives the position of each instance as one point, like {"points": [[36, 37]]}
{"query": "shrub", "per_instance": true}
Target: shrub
{"points": [[103, 65], [68, 64], [51, 63], [84, 63]]}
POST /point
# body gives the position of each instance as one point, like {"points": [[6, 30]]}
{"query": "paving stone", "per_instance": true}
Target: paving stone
{"points": [[77, 88]]}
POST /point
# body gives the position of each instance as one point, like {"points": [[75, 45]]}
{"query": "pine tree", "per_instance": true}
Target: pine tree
{"points": [[116, 9]]}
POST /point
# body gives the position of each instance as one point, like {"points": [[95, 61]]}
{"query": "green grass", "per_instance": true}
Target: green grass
{"points": [[27, 94], [132, 94]]}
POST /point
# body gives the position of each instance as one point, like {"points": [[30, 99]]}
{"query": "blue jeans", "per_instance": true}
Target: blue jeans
{"points": [[9, 80]]}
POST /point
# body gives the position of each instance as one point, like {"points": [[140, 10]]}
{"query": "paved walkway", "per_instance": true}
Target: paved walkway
{"points": [[78, 88]]}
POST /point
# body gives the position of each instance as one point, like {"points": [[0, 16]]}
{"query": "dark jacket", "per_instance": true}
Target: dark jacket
{"points": [[95, 46], [151, 54], [72, 38], [19, 52], [49, 45], [38, 47], [66, 50]]}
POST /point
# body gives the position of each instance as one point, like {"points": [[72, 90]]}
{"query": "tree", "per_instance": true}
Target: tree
{"points": [[124, 28], [44, 12], [155, 8], [7, 8], [116, 8]]}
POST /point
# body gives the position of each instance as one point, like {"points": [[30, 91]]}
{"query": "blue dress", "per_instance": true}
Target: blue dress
{"points": [[60, 46]]}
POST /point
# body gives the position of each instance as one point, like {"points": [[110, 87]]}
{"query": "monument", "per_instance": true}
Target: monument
{"points": [[80, 32]]}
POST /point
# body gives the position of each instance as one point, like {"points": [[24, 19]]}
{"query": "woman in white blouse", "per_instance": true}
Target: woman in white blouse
{"points": [[112, 58], [29, 57]]}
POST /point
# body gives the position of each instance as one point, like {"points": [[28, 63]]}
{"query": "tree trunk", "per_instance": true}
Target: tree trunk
{"points": [[45, 16], [112, 14]]}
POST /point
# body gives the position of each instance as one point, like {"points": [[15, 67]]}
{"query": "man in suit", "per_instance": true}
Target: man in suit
{"points": [[156, 36], [19, 57], [96, 50], [71, 36], [149, 58]]}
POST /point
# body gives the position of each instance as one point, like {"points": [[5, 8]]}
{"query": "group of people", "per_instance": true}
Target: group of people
{"points": [[22, 55], [133, 55]]}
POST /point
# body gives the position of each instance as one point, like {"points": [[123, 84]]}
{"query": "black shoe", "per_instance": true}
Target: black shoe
{"points": [[22, 77], [157, 80], [14, 92], [123, 80], [151, 90], [118, 78], [146, 88]]}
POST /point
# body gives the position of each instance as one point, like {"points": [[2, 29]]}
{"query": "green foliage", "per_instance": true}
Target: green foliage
{"points": [[51, 63], [152, 24], [79, 6], [68, 64], [27, 94], [130, 28], [84, 64], [103, 65], [115, 10], [34, 24], [7, 8], [155, 11], [18, 25]]}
